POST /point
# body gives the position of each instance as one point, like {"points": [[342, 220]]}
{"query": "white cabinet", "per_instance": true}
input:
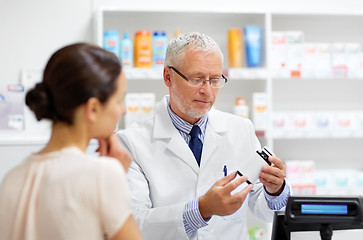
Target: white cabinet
{"points": [[284, 94], [333, 94], [214, 24], [16, 146]]}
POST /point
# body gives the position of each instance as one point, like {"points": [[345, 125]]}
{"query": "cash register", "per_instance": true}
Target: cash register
{"points": [[318, 213]]}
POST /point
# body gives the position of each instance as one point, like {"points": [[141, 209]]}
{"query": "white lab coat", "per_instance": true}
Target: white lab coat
{"points": [[164, 174]]}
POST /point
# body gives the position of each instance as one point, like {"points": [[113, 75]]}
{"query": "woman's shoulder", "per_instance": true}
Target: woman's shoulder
{"points": [[105, 164], [80, 163]]}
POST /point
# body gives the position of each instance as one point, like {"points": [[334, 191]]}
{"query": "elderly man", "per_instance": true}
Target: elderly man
{"points": [[183, 178]]}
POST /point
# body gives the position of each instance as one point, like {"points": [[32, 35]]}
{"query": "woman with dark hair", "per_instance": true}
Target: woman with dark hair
{"points": [[60, 192]]}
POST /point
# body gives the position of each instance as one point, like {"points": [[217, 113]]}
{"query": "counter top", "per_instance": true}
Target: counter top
{"points": [[13, 137]]}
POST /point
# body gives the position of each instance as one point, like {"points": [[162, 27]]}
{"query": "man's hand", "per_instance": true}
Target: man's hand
{"points": [[273, 177], [219, 201], [112, 148]]}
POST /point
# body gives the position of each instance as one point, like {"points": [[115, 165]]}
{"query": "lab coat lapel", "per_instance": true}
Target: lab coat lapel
{"points": [[179, 147], [210, 144], [164, 128], [213, 135]]}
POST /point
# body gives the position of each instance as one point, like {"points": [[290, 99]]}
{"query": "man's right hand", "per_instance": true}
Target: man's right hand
{"points": [[219, 201]]}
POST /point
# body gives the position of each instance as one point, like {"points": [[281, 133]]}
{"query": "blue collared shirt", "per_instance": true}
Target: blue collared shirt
{"points": [[192, 218]]}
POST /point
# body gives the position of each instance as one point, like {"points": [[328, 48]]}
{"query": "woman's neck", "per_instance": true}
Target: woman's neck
{"points": [[64, 135]]}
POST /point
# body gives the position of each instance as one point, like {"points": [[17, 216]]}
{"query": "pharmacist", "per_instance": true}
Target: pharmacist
{"points": [[183, 179]]}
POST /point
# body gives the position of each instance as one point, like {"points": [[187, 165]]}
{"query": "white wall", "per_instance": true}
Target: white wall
{"points": [[30, 30], [347, 6]]}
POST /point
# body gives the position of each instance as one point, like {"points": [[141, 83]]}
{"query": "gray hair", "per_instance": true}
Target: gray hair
{"points": [[194, 40]]}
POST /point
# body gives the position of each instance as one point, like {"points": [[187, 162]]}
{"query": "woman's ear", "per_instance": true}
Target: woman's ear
{"points": [[93, 107]]}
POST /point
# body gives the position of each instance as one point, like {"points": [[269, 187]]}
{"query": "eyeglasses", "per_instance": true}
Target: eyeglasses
{"points": [[198, 82]]}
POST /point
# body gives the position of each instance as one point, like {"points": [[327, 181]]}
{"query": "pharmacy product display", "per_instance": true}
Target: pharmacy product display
{"points": [[244, 47], [126, 51], [143, 49], [241, 108], [292, 56], [146, 50], [307, 179], [326, 124], [303, 97], [139, 107], [253, 45], [234, 48], [12, 107], [160, 43], [111, 42]]}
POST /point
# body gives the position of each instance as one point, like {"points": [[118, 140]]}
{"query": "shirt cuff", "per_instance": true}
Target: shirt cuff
{"points": [[280, 201], [192, 218]]}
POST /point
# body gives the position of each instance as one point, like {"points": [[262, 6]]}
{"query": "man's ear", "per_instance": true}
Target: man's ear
{"points": [[167, 76], [93, 106]]}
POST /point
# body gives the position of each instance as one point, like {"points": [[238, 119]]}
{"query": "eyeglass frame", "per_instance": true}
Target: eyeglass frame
{"points": [[204, 80]]}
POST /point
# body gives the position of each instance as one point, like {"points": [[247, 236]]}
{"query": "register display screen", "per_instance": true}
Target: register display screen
{"points": [[328, 209]]}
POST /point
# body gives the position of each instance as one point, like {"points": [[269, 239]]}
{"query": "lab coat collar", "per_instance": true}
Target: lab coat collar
{"points": [[164, 129], [163, 126]]}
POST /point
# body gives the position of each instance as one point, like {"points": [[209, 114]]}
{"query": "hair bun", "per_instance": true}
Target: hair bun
{"points": [[37, 99]]}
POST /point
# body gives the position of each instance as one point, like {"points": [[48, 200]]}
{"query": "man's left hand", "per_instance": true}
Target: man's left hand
{"points": [[273, 177]]}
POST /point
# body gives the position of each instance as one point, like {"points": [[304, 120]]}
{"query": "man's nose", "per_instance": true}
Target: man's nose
{"points": [[206, 87]]}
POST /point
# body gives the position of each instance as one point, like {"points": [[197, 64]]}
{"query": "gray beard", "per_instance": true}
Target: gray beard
{"points": [[187, 109]]}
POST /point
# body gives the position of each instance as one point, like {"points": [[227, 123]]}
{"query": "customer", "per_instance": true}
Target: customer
{"points": [[181, 155], [60, 192]]}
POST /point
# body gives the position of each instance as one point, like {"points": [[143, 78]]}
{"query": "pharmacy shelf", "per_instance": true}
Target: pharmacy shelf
{"points": [[320, 92], [284, 74], [318, 75], [231, 73], [143, 73], [170, 21], [247, 73], [9, 138], [14, 138], [307, 136], [313, 91], [327, 153], [242, 82], [322, 27], [15, 146], [317, 95]]}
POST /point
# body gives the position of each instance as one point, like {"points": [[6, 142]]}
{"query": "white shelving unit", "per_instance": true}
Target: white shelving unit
{"points": [[283, 94], [317, 95], [291, 94], [307, 94], [242, 82]]}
